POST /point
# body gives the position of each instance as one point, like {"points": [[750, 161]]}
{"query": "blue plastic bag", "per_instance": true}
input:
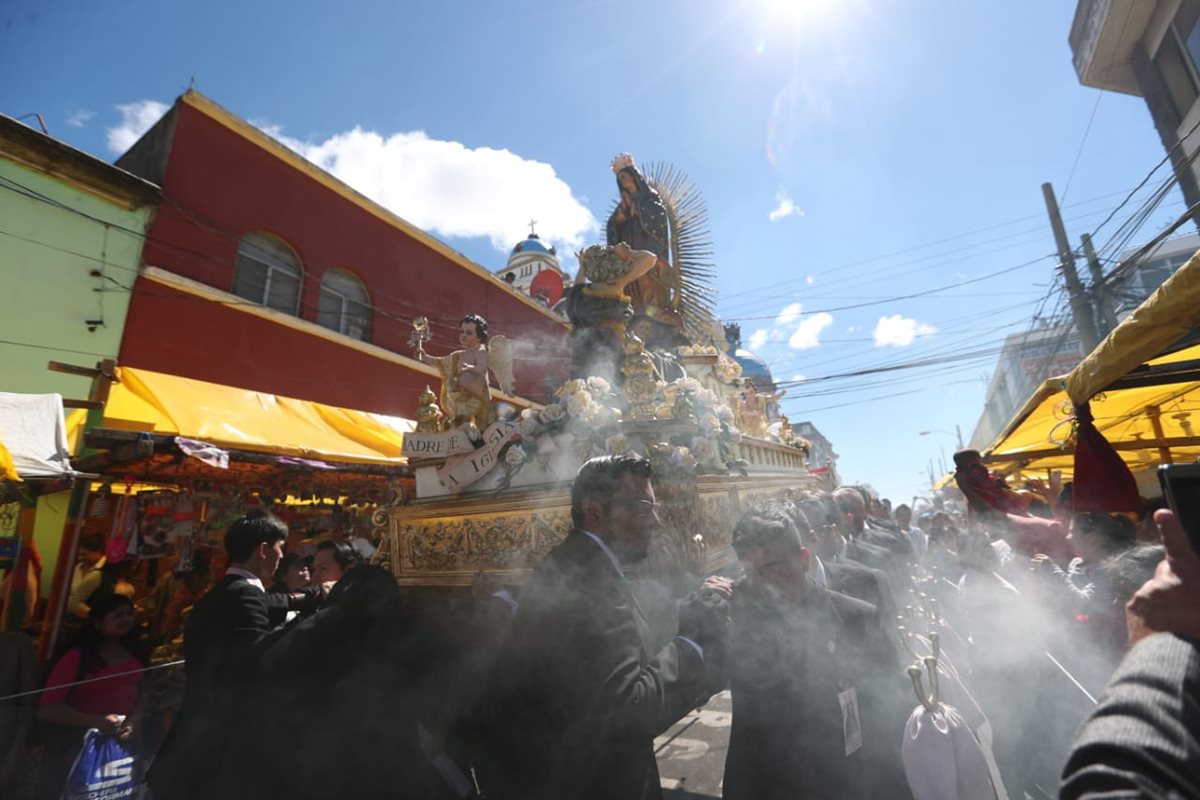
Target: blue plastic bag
{"points": [[103, 770]]}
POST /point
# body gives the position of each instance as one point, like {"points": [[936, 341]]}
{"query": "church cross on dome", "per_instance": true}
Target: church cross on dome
{"points": [[532, 234]]}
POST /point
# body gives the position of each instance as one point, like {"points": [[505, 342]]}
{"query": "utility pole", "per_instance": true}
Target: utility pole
{"points": [[1081, 309], [1106, 315], [958, 431]]}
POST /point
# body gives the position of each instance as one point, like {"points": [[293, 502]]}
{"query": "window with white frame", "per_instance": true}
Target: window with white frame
{"points": [[344, 306], [267, 272]]}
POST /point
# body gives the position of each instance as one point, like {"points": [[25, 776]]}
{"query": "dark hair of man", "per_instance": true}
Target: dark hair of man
{"points": [[599, 478], [1112, 533], [964, 457], [249, 531], [793, 512], [815, 510], [762, 526], [481, 326], [93, 542], [343, 552], [1128, 570], [901, 507]]}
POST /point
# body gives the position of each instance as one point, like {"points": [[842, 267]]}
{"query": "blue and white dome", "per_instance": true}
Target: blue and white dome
{"points": [[534, 244]]}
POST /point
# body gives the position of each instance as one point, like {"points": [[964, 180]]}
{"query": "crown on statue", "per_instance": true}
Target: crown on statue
{"points": [[621, 162]]}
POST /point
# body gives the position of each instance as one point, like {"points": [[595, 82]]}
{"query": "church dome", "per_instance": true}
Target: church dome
{"points": [[534, 245]]}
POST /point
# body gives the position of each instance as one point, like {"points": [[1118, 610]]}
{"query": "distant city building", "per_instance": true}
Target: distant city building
{"points": [[1141, 281], [1029, 359], [1026, 361], [1148, 48]]}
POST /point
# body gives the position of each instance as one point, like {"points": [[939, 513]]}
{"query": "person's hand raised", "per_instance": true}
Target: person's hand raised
{"points": [[1170, 601]]}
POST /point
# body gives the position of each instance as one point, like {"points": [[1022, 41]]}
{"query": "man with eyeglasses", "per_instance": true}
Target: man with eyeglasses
{"points": [[578, 693]]}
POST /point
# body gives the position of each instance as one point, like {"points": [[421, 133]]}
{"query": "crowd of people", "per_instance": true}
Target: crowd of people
{"points": [[333, 681]]}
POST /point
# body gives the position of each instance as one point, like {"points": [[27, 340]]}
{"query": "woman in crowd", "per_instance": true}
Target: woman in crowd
{"points": [[111, 651]]}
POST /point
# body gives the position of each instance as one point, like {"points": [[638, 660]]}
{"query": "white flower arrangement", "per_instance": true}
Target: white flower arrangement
{"points": [[599, 385]]}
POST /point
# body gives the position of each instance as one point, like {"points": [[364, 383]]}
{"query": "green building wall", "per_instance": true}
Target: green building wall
{"points": [[53, 235], [50, 242]]}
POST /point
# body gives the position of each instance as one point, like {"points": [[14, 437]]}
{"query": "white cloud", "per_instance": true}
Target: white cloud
{"points": [[809, 280], [453, 190], [136, 119], [900, 331], [808, 332], [784, 207], [797, 378], [791, 325], [80, 118], [788, 315]]}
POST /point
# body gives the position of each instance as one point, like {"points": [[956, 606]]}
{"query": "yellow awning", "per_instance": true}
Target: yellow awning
{"points": [[1163, 319], [241, 419], [1143, 424]]}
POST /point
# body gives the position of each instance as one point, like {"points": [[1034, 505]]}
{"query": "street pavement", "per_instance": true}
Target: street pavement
{"points": [[691, 755]]}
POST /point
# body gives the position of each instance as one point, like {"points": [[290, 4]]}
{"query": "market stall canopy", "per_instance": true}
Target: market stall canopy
{"points": [[241, 419], [33, 438], [1141, 422]]}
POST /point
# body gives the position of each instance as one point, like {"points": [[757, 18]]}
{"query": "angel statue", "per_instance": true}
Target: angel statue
{"points": [[640, 220], [466, 396], [753, 407], [599, 308]]}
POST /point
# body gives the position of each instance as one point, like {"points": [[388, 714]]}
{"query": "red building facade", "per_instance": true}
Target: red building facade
{"points": [[263, 271]]}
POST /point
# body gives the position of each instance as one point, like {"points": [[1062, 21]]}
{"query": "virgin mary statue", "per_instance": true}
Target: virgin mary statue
{"points": [[640, 221]]}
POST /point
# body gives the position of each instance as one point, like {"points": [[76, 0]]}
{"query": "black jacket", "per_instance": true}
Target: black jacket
{"points": [[223, 626], [577, 696], [1143, 739], [788, 668], [871, 555], [866, 584]]}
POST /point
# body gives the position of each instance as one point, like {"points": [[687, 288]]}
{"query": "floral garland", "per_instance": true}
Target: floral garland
{"points": [[585, 419]]}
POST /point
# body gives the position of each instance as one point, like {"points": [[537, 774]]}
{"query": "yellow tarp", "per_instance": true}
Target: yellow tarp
{"points": [[1163, 319], [8, 470], [1034, 440], [242, 419]]}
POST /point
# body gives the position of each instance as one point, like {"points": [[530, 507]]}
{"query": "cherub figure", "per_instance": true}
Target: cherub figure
{"points": [[753, 408], [466, 396]]}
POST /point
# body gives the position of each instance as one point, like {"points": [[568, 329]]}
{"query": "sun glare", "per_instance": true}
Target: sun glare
{"points": [[801, 13]]}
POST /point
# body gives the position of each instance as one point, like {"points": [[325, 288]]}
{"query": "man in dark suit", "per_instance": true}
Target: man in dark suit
{"points": [[1143, 738], [818, 703], [578, 695], [874, 547], [223, 626]]}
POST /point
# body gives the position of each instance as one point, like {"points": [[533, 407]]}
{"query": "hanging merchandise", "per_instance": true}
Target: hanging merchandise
{"points": [[123, 534], [156, 521]]}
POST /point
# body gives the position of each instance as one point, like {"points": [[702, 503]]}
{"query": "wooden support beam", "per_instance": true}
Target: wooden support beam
{"points": [[94, 405], [1141, 444], [72, 369]]}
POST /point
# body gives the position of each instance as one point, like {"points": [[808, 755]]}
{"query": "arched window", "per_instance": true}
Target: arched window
{"points": [[344, 306], [267, 272]]}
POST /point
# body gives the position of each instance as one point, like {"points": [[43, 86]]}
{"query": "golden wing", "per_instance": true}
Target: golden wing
{"points": [[500, 359]]}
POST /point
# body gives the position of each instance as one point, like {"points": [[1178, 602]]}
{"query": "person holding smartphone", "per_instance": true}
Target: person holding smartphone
{"points": [[1142, 738]]}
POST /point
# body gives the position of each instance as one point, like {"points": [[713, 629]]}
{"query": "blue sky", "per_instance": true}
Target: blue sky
{"points": [[850, 153]]}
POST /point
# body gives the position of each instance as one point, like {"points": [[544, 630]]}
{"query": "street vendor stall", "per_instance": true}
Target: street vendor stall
{"points": [[173, 460]]}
